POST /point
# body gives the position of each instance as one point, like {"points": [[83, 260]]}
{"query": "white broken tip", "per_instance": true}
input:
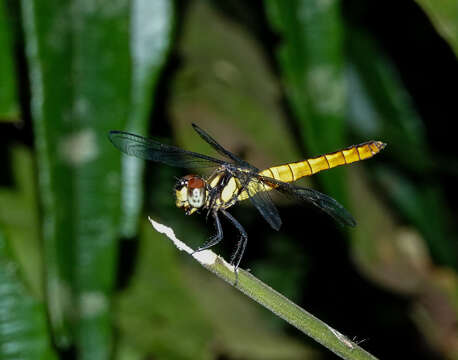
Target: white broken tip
{"points": [[206, 257], [171, 235]]}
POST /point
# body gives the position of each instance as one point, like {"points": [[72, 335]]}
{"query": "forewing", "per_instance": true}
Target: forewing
{"points": [[261, 200], [148, 149], [223, 151], [322, 201]]}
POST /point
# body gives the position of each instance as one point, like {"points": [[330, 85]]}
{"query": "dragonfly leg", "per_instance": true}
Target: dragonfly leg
{"points": [[214, 192], [214, 239], [241, 245]]}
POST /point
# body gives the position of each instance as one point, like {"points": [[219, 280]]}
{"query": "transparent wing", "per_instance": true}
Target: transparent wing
{"points": [[262, 201], [148, 149], [260, 198], [223, 151], [320, 200]]}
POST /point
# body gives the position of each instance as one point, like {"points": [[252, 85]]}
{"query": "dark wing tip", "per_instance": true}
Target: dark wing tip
{"points": [[274, 221], [114, 135], [197, 129], [345, 218], [111, 134], [276, 226], [351, 222]]}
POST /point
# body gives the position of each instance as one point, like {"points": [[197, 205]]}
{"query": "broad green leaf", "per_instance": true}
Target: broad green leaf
{"points": [[311, 61], [444, 16], [92, 64], [151, 30], [51, 102], [24, 330], [78, 56], [9, 106]]}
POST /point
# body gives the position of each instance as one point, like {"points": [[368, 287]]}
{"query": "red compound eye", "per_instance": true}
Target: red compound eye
{"points": [[195, 182]]}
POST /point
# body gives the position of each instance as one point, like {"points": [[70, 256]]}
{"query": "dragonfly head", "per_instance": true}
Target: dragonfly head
{"points": [[190, 193]]}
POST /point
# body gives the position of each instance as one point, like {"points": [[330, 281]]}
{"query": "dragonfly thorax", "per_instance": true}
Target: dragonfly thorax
{"points": [[190, 193]]}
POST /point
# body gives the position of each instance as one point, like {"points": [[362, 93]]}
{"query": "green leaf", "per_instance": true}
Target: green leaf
{"points": [[311, 61], [79, 61], [20, 219], [9, 106], [444, 16], [23, 327], [151, 30], [91, 65]]}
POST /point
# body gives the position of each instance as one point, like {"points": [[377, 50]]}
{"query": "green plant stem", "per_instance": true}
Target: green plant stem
{"points": [[272, 300]]}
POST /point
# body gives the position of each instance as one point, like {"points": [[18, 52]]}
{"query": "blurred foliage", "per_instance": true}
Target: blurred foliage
{"points": [[396, 257], [227, 91], [173, 326], [24, 330], [271, 80], [20, 219], [444, 16], [78, 174], [151, 29], [313, 75], [424, 207], [9, 106], [193, 316], [381, 106]]}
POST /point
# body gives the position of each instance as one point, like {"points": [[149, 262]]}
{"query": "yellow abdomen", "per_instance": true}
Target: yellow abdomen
{"points": [[294, 171]]}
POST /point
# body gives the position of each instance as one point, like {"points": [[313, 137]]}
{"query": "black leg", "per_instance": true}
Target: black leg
{"points": [[214, 192], [241, 245], [212, 199], [216, 238]]}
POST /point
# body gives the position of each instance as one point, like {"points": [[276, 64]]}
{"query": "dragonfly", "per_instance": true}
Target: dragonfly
{"points": [[233, 180]]}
